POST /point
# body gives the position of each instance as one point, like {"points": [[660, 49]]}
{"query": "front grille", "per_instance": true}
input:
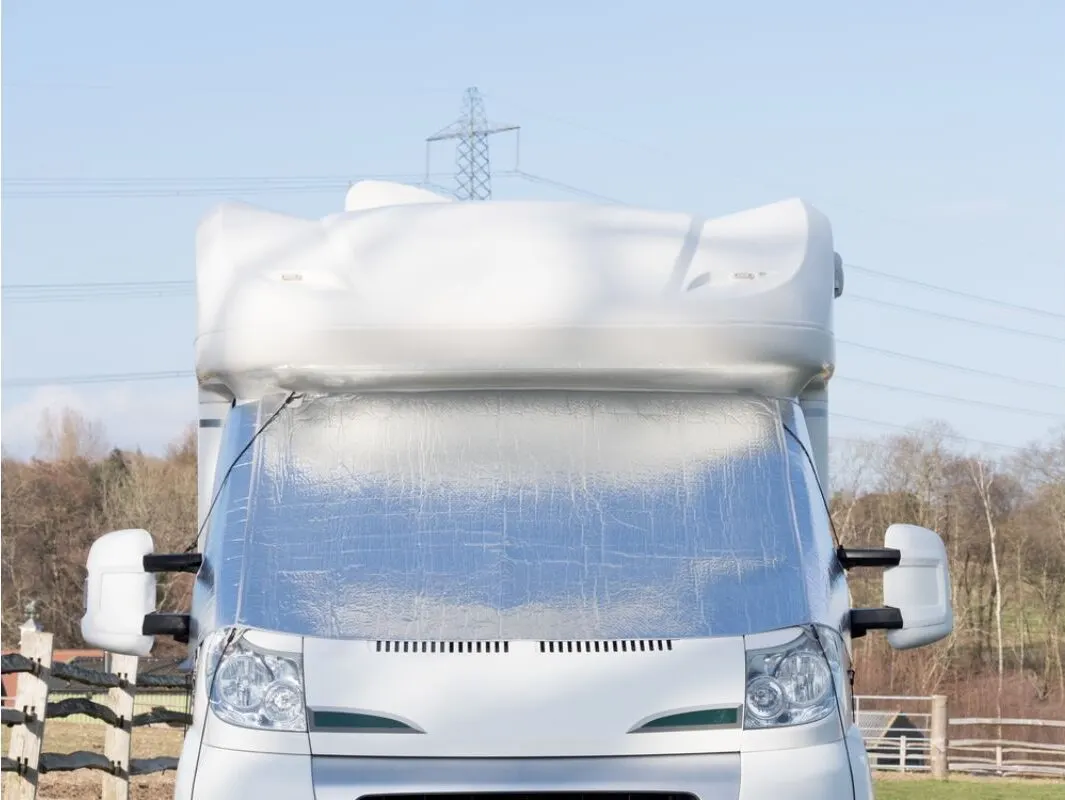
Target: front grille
{"points": [[535, 796], [608, 646]]}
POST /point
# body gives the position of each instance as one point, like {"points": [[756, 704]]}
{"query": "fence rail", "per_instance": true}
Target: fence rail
{"points": [[901, 732], [25, 762]]}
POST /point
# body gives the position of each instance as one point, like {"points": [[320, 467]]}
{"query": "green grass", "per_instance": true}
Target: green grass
{"points": [[968, 789]]}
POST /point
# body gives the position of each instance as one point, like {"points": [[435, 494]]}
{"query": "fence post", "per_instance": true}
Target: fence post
{"points": [[902, 753], [117, 740], [31, 697], [938, 738]]}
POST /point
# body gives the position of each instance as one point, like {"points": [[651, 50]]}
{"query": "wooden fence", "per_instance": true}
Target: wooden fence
{"points": [[25, 762], [916, 734]]}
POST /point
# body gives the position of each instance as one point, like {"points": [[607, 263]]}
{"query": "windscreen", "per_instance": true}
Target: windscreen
{"points": [[510, 515]]}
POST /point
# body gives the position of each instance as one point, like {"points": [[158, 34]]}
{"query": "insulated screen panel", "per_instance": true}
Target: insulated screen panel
{"points": [[508, 515]]}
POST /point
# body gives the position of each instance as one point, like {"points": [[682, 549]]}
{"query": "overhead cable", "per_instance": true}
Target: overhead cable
{"points": [[957, 292], [952, 318]]}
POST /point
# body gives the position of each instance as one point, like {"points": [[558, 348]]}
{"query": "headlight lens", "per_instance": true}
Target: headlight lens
{"points": [[283, 703], [805, 678], [255, 689], [765, 698], [241, 682], [789, 685]]}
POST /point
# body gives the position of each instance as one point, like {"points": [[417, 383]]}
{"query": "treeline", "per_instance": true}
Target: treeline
{"points": [[54, 506], [1003, 521]]}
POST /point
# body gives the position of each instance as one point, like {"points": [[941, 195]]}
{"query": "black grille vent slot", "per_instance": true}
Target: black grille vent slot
{"points": [[608, 646], [444, 648]]}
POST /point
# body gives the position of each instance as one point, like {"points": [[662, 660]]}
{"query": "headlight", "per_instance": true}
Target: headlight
{"points": [[789, 685], [254, 688]]}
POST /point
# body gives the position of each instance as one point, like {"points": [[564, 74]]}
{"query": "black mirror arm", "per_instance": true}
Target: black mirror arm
{"points": [[864, 620], [173, 562], [176, 625], [868, 557]]}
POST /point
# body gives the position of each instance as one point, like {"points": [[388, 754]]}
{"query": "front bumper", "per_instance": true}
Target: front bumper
{"points": [[819, 772]]}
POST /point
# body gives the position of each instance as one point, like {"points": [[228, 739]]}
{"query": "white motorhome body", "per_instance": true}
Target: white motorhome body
{"points": [[517, 498]]}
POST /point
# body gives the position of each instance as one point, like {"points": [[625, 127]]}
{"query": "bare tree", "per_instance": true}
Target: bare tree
{"points": [[983, 479], [66, 435]]}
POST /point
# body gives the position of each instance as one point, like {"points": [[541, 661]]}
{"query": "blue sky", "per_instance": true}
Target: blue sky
{"points": [[932, 134]]}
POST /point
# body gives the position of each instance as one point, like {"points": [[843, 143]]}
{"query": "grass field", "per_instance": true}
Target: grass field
{"points": [[66, 737], [963, 788], [891, 786]]}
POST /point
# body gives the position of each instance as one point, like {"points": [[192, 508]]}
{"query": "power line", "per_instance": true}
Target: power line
{"points": [[157, 180], [948, 365], [118, 192], [951, 398], [606, 134], [908, 429], [161, 187], [301, 89], [952, 318], [56, 297], [121, 377], [565, 187], [89, 285], [81, 291], [956, 292]]}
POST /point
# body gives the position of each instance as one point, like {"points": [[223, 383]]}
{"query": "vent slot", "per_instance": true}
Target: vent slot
{"points": [[607, 646], [443, 648]]}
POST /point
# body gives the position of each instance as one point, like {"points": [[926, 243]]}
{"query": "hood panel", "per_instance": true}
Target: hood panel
{"points": [[522, 699]]}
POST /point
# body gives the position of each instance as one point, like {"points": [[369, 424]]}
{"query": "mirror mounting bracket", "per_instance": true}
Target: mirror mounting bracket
{"points": [[173, 562], [868, 557], [864, 620], [176, 625]]}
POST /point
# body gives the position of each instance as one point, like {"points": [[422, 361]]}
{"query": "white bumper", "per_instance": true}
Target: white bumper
{"points": [[819, 772]]}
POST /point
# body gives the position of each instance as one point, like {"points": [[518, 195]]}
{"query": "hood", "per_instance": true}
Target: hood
{"points": [[524, 698]]}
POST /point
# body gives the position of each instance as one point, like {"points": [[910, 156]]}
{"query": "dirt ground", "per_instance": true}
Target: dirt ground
{"points": [[67, 737], [85, 785]]}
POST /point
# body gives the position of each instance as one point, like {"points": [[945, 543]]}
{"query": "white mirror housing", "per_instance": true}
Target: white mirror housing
{"points": [[919, 587], [119, 593]]}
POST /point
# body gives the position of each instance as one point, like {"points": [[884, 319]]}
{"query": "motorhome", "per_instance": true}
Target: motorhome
{"points": [[525, 498]]}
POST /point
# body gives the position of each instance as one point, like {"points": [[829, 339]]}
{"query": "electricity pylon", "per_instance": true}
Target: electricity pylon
{"points": [[473, 166]]}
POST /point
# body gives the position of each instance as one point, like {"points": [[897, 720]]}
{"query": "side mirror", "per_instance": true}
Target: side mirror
{"points": [[119, 593], [919, 587]]}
